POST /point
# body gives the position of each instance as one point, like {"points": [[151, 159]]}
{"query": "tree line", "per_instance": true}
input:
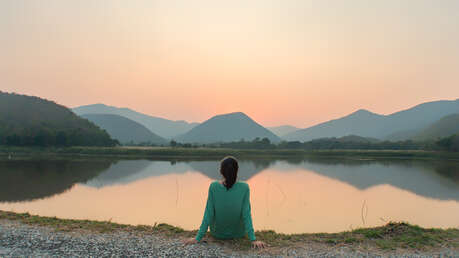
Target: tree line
{"points": [[450, 143]]}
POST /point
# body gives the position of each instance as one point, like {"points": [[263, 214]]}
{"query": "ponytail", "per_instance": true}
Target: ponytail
{"points": [[229, 168]]}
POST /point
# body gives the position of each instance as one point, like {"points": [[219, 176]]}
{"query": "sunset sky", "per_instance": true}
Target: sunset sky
{"points": [[281, 62]]}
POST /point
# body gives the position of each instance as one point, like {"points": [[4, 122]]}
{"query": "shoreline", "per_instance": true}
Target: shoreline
{"points": [[392, 239], [218, 153]]}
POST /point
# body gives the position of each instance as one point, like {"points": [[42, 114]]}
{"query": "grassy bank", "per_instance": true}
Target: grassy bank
{"points": [[391, 236], [169, 152]]}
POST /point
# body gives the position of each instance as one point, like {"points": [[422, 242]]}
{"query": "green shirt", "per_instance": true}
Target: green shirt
{"points": [[227, 212]]}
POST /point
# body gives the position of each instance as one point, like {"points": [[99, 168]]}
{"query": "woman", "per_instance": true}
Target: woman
{"points": [[228, 208]]}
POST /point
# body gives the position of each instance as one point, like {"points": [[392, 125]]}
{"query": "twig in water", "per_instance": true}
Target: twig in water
{"points": [[284, 196], [267, 198], [364, 212], [177, 190]]}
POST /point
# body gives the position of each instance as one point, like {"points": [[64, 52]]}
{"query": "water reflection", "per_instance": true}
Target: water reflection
{"points": [[128, 171], [33, 179], [29, 180], [307, 195], [425, 178]]}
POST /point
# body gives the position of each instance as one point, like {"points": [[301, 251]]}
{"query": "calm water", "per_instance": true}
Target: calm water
{"points": [[290, 196]]}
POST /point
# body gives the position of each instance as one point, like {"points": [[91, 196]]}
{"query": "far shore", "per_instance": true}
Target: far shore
{"points": [[217, 153]]}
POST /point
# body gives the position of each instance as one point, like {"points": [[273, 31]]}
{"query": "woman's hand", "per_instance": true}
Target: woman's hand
{"points": [[258, 244], [190, 241]]}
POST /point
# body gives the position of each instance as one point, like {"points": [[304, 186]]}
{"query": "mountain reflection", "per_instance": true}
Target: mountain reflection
{"points": [[127, 171], [29, 180], [433, 179]]}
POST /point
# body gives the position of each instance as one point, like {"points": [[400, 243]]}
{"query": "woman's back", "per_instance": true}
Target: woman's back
{"points": [[227, 212]]}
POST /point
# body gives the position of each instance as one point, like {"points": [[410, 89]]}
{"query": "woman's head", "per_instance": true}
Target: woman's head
{"points": [[228, 169]]}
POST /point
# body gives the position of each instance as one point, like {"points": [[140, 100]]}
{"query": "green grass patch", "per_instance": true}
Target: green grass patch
{"points": [[90, 225]]}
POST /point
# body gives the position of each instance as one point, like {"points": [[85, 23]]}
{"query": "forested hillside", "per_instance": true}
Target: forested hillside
{"points": [[32, 121], [447, 126]]}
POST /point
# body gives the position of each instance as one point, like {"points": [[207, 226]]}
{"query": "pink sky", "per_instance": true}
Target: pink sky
{"points": [[280, 62]]}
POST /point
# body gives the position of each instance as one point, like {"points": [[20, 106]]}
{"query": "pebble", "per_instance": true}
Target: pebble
{"points": [[21, 240]]}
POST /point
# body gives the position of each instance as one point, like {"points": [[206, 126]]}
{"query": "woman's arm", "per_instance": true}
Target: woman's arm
{"points": [[209, 214], [247, 216]]}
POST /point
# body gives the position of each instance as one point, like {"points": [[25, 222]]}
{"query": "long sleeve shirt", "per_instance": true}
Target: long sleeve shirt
{"points": [[227, 212]]}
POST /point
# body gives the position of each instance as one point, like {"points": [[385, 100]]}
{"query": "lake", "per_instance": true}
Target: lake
{"points": [[288, 196]]}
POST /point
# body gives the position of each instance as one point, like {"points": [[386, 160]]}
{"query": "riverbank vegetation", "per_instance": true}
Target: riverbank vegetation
{"points": [[350, 142], [217, 153], [393, 235]]}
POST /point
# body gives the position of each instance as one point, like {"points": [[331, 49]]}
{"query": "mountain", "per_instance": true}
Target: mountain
{"points": [[444, 127], [124, 129], [32, 121], [282, 130], [402, 135], [227, 128], [367, 124], [160, 126], [362, 122]]}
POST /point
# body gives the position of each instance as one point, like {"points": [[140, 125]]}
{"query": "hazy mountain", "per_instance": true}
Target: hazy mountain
{"points": [[444, 127], [27, 120], [227, 128], [282, 130], [362, 122], [402, 135], [367, 124], [124, 129], [160, 126]]}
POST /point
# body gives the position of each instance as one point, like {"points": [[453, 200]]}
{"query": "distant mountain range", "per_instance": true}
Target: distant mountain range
{"points": [[390, 127], [124, 129], [227, 128], [402, 125], [163, 127], [283, 130]]}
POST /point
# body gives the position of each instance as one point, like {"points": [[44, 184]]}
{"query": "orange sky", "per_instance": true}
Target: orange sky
{"points": [[281, 62]]}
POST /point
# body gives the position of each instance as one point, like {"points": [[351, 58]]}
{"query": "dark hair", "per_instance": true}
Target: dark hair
{"points": [[229, 168]]}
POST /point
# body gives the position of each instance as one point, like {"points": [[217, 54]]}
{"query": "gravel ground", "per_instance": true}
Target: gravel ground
{"points": [[20, 240]]}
